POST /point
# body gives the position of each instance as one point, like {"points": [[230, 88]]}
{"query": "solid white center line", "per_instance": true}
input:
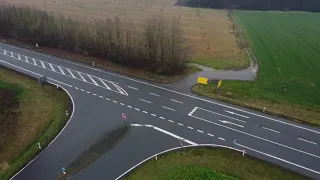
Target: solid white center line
{"points": [[137, 109], [144, 100], [71, 74], [161, 117], [200, 131], [88, 92], [145, 112], [108, 99], [133, 88], [122, 104], [180, 124], [168, 108], [221, 138], [129, 106], [115, 101], [270, 130], [81, 89], [61, 70], [81, 76], [51, 67], [101, 96], [176, 101], [190, 127], [170, 121], [76, 87], [153, 115], [154, 94], [308, 141], [210, 135]]}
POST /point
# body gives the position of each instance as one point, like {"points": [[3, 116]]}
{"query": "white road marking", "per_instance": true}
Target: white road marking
{"points": [[210, 135], [101, 96], [165, 89], [25, 57], [42, 64], [180, 124], [193, 110], [222, 115], [270, 130], [94, 82], [83, 79], [308, 141], [19, 57], [168, 108], [274, 157], [170, 121], [145, 101], [221, 138], [76, 87], [200, 131], [137, 109], [94, 94], [11, 54], [133, 88], [102, 81], [129, 106], [267, 140], [115, 101], [81, 89], [88, 92], [61, 70], [161, 117], [176, 101], [71, 73], [228, 122], [34, 61], [108, 99], [154, 94], [153, 115], [145, 112], [122, 104], [230, 112], [190, 127], [51, 67]]}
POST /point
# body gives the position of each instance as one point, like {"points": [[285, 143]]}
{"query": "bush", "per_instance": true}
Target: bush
{"points": [[160, 47]]}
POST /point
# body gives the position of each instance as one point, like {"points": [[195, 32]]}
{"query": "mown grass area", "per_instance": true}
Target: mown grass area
{"points": [[286, 45], [209, 164], [38, 114]]}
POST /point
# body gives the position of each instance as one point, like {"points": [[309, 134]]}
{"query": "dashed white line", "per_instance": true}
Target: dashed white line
{"points": [[101, 96], [137, 109], [76, 87], [94, 94], [88, 92], [176, 101], [221, 138], [129, 106], [270, 130], [122, 104], [133, 88], [168, 108], [145, 112], [180, 124], [161, 117], [145, 101], [200, 131], [171, 121], [108, 99], [154, 94], [114, 101], [189, 127], [308, 141], [82, 90], [210, 135], [153, 115]]}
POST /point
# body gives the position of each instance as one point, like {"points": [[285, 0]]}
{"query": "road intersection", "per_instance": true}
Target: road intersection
{"points": [[161, 118]]}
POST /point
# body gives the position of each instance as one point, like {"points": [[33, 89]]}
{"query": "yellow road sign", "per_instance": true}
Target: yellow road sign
{"points": [[202, 80], [219, 83]]}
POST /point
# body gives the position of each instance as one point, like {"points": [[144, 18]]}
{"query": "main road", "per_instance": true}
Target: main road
{"points": [[160, 118]]}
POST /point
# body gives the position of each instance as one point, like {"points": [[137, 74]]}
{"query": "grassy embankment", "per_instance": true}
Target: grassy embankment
{"points": [[29, 114], [288, 85], [209, 164]]}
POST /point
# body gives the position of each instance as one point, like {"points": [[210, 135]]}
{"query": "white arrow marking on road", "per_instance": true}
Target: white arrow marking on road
{"points": [[236, 114], [228, 122]]}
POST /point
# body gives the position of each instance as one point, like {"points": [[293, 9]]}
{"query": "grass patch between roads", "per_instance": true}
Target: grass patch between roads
{"points": [[288, 83], [29, 114], [209, 164]]}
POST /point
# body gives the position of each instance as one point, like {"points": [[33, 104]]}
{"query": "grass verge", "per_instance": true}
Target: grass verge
{"points": [[39, 118], [108, 65], [209, 164], [232, 92]]}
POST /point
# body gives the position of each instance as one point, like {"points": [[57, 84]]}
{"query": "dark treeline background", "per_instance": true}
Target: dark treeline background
{"points": [[284, 5]]}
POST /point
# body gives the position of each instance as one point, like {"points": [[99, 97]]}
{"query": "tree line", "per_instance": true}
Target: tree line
{"points": [[158, 46], [283, 5]]}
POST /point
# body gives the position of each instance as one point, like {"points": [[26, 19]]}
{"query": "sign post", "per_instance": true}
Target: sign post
{"points": [[202, 80], [124, 117]]}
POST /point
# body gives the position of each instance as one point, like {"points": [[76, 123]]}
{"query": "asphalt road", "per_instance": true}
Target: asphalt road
{"points": [[160, 119]]}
